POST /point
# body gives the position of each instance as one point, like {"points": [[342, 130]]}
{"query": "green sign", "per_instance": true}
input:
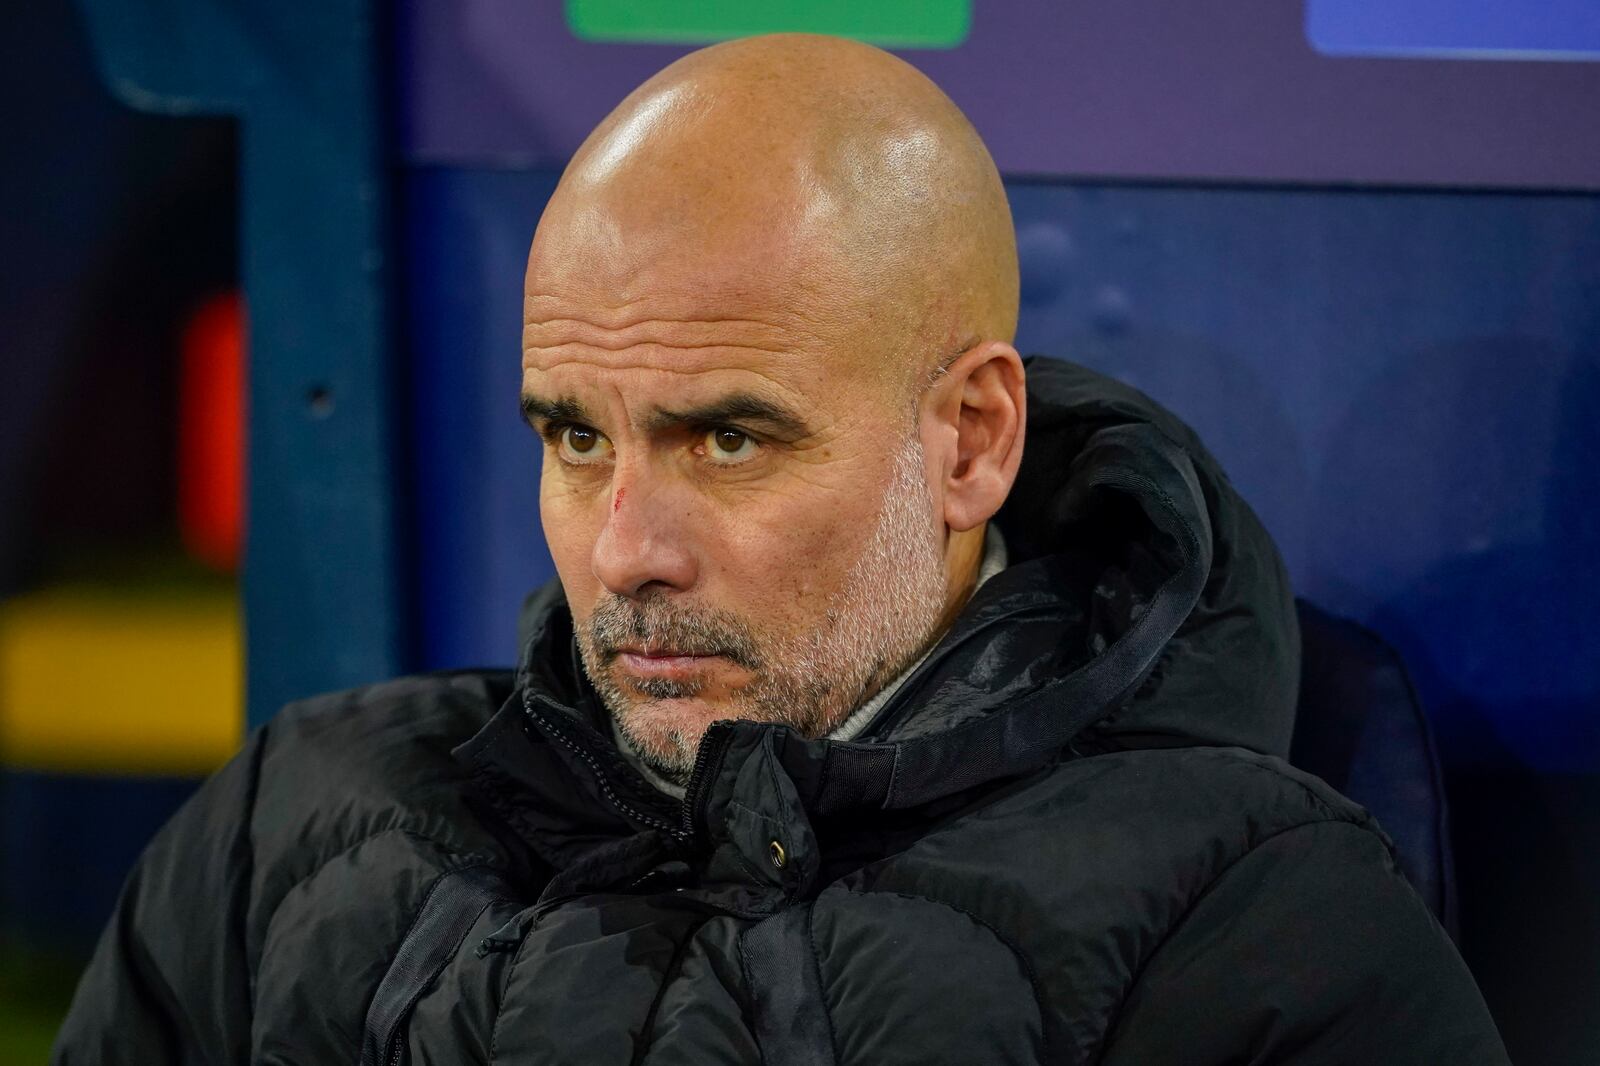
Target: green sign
{"points": [[891, 23]]}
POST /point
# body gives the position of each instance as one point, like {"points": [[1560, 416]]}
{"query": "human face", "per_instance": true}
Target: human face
{"points": [[875, 623], [742, 529]]}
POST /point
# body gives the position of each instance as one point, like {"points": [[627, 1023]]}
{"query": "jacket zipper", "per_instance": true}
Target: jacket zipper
{"points": [[449, 909], [696, 796], [551, 728], [707, 761]]}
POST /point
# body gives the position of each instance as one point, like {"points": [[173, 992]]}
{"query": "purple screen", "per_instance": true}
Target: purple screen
{"points": [[1225, 91]]}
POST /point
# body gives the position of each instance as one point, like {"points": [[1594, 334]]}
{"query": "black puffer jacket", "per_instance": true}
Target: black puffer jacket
{"points": [[1069, 838]]}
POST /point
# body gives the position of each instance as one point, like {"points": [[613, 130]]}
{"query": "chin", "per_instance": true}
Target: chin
{"points": [[671, 727]]}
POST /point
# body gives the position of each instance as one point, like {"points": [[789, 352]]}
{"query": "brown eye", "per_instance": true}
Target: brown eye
{"points": [[582, 444], [729, 445]]}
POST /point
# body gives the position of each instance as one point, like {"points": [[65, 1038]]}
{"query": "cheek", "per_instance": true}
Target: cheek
{"points": [[797, 553], [570, 531]]}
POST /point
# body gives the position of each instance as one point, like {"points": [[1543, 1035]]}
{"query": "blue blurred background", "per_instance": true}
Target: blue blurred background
{"points": [[1356, 245]]}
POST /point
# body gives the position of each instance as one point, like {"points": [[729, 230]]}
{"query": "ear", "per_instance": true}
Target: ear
{"points": [[980, 412]]}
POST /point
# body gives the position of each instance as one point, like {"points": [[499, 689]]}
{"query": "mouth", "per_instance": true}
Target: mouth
{"points": [[666, 663]]}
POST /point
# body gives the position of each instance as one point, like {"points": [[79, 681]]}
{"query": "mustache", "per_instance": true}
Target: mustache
{"points": [[657, 622]]}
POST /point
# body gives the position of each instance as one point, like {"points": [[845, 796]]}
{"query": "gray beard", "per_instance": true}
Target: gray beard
{"points": [[875, 625]]}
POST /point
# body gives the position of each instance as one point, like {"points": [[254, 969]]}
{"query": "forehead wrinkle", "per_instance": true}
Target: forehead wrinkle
{"points": [[619, 327], [569, 322], [802, 379], [628, 345], [531, 361], [786, 395]]}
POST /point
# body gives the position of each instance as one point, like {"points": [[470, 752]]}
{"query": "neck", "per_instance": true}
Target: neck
{"points": [[963, 554]]}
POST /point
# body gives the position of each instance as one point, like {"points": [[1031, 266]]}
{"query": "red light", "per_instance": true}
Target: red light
{"points": [[211, 433]]}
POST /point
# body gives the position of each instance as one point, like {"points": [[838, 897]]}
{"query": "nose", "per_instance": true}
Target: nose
{"points": [[644, 543]]}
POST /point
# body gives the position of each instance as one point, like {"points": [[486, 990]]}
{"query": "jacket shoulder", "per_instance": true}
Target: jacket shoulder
{"points": [[1306, 924], [1089, 867], [341, 768], [1178, 798], [1073, 842], [304, 856], [427, 709]]}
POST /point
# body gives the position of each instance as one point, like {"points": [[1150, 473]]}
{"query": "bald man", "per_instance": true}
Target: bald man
{"points": [[852, 731]]}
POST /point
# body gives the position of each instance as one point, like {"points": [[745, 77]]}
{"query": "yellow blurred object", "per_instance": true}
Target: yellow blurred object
{"points": [[100, 681]]}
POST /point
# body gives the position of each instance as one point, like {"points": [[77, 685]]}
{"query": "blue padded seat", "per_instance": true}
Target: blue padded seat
{"points": [[1361, 728]]}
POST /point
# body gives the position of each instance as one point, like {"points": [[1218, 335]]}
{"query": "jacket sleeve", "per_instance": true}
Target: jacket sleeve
{"points": [[1310, 949], [169, 980]]}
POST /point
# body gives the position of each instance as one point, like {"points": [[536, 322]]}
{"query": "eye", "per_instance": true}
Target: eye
{"points": [[724, 445], [581, 445]]}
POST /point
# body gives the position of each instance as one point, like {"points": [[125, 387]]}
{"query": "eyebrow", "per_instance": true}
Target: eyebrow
{"points": [[563, 409], [745, 408]]}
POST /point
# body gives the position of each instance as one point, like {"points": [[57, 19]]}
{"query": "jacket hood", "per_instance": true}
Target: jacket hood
{"points": [[1144, 606], [1114, 485]]}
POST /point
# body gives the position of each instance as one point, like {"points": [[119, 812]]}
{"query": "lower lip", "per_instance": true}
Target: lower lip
{"points": [[668, 666]]}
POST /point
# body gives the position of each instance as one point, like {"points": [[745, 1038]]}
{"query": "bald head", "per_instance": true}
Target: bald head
{"points": [[823, 175]]}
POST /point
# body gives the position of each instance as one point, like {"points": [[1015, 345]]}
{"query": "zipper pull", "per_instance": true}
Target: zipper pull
{"points": [[507, 937]]}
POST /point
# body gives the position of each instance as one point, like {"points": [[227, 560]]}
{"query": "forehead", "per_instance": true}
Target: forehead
{"points": [[689, 315], [674, 362], [684, 333], [686, 291]]}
